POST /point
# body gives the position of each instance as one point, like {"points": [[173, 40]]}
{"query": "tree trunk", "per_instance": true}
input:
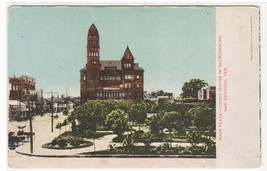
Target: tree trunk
{"points": [[170, 137]]}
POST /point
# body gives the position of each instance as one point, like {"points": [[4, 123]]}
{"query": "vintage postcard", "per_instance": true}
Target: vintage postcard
{"points": [[133, 87]]}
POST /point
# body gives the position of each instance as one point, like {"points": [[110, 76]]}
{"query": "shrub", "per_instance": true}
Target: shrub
{"points": [[193, 137], [186, 151], [62, 142], [147, 139], [65, 112], [117, 139], [163, 149], [128, 142], [54, 142], [138, 135], [64, 139]]}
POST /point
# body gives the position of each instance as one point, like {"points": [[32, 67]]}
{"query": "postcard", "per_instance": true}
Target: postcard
{"points": [[133, 87]]}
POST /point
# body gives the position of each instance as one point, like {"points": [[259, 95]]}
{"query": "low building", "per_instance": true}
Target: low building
{"points": [[206, 95], [17, 110], [153, 99], [163, 99], [22, 88]]}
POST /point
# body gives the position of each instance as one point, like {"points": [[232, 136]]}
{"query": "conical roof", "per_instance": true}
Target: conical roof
{"points": [[93, 31], [127, 54]]}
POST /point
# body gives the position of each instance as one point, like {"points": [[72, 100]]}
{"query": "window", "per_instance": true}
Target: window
{"points": [[127, 65], [137, 77], [93, 62], [129, 85], [125, 85], [137, 85]]}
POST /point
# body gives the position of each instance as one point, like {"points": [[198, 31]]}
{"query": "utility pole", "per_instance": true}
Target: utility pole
{"points": [[52, 115], [42, 99], [30, 120], [19, 103]]}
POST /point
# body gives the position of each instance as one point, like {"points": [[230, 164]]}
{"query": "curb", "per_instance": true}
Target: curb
{"points": [[119, 156]]}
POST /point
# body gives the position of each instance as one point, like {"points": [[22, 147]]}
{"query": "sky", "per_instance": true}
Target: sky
{"points": [[172, 44]]}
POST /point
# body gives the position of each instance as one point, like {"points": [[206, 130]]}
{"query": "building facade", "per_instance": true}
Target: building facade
{"points": [[206, 95], [20, 88], [109, 79], [22, 96]]}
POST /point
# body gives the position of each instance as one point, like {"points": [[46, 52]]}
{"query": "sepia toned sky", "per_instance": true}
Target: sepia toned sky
{"points": [[172, 45]]}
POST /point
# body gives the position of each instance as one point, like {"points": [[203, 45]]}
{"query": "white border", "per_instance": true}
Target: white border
{"points": [[3, 55]]}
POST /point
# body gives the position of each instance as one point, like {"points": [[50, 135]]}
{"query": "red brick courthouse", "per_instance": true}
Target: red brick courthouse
{"points": [[109, 79]]}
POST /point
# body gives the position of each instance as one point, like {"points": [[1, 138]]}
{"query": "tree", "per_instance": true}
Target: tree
{"points": [[155, 124], [119, 121], [203, 118], [90, 115], [77, 103], [190, 89], [164, 107], [138, 113], [170, 120], [123, 105]]}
